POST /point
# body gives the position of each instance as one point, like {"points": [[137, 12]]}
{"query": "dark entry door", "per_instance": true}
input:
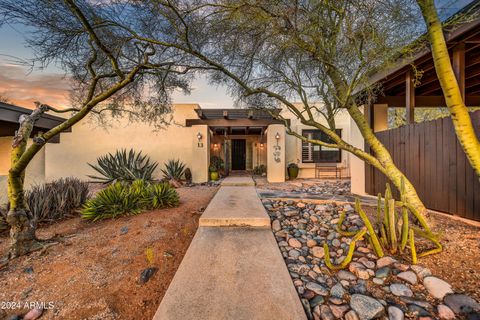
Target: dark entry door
{"points": [[239, 148]]}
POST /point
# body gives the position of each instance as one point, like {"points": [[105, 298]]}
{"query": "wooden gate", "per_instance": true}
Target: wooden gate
{"points": [[431, 157]]}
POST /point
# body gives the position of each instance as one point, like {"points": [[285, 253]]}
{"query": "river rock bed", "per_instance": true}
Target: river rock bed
{"points": [[369, 288]]}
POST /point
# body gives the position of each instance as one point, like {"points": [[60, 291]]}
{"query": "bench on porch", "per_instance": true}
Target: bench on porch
{"points": [[328, 170]]}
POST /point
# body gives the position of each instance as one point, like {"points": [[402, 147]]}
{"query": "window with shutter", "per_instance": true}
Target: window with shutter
{"points": [[314, 153]]}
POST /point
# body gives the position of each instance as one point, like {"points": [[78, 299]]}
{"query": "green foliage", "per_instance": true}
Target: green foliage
{"points": [[388, 224], [124, 166], [260, 169], [56, 200], [174, 170], [120, 199], [216, 163]]}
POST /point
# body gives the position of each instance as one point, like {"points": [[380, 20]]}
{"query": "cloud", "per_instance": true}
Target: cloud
{"points": [[23, 88]]}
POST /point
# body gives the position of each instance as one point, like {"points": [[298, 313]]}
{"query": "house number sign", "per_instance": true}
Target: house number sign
{"points": [[276, 153]]}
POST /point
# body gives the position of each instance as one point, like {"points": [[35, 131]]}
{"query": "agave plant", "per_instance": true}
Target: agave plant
{"points": [[56, 200], [174, 170], [120, 199], [123, 166]]}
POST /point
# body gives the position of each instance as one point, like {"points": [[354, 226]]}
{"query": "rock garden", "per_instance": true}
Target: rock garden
{"points": [[368, 287]]}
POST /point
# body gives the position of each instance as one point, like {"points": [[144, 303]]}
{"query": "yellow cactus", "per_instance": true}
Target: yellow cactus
{"points": [[349, 256]]}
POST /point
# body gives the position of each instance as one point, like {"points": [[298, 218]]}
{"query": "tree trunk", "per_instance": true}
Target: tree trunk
{"points": [[453, 96], [391, 171]]}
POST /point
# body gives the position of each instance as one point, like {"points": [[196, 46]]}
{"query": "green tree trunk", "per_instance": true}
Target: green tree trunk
{"points": [[453, 96]]}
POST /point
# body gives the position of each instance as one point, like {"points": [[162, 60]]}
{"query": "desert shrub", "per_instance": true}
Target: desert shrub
{"points": [[188, 175], [56, 200], [123, 166], [216, 163], [174, 170], [260, 169], [120, 199]]}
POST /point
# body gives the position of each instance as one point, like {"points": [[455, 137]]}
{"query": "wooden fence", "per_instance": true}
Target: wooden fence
{"points": [[433, 160]]}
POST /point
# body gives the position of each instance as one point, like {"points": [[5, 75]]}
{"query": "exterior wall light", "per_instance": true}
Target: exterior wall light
{"points": [[277, 136], [261, 145], [199, 137]]}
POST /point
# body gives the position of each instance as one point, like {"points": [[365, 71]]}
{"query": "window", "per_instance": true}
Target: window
{"points": [[314, 153]]}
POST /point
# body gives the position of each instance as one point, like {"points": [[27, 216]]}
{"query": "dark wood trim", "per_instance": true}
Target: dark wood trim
{"points": [[424, 101], [233, 122], [410, 97], [459, 66]]}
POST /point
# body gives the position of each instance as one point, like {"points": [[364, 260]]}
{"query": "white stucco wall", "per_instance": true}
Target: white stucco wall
{"points": [[88, 141]]}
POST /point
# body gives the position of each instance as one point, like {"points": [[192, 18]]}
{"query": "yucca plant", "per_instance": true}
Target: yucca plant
{"points": [[162, 195], [114, 201], [57, 199], [120, 199], [123, 166], [174, 170]]}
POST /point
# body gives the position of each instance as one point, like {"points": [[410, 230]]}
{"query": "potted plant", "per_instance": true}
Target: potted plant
{"points": [[292, 171], [213, 172]]}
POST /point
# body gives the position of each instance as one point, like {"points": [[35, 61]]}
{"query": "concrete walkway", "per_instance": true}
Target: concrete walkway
{"points": [[233, 268]]}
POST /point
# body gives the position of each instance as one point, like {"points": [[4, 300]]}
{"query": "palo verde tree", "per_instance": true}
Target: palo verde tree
{"points": [[109, 70], [461, 119], [278, 52]]}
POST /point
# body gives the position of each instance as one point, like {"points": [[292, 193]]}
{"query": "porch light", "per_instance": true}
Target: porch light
{"points": [[261, 145], [199, 137], [277, 136]]}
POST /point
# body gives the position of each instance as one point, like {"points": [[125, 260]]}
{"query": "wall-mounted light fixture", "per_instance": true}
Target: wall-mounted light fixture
{"points": [[261, 145], [199, 138], [277, 136]]}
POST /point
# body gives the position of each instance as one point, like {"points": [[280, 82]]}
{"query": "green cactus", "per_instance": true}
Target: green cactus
{"points": [[376, 244], [339, 226], [349, 256], [412, 247]]}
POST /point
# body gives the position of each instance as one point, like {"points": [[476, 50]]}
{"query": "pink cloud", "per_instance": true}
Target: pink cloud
{"points": [[23, 88]]}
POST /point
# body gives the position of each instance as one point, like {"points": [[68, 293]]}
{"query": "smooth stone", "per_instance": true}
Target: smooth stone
{"points": [[420, 303], [276, 225], [326, 313], [421, 271], [294, 243], [311, 243], [351, 315], [294, 253], [336, 243], [318, 252], [346, 275], [147, 274], [318, 289], [408, 276], [367, 263], [385, 261], [419, 311], [437, 287], [383, 272], [395, 313], [306, 307], [400, 290], [316, 301], [337, 291], [461, 303], [339, 311], [378, 281], [445, 312], [366, 307]]}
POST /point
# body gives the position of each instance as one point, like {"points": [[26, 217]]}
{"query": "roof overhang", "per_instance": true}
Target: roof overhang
{"points": [[9, 121]]}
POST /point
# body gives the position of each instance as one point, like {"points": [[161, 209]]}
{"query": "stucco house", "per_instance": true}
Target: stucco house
{"points": [[243, 138]]}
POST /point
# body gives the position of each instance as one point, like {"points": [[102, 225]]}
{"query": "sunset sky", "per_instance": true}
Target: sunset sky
{"points": [[22, 86]]}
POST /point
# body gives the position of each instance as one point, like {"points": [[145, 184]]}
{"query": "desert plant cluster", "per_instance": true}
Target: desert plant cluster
{"points": [[121, 199]]}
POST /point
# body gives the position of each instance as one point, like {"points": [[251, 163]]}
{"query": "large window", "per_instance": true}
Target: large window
{"points": [[314, 153]]}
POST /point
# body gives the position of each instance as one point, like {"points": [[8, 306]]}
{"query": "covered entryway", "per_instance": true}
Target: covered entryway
{"points": [[246, 140], [239, 154]]}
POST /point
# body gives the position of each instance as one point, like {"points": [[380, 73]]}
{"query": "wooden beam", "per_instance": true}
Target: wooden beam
{"points": [[459, 66], [425, 101], [232, 122], [410, 97]]}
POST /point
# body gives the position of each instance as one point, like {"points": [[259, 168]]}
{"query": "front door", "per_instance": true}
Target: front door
{"points": [[239, 148]]}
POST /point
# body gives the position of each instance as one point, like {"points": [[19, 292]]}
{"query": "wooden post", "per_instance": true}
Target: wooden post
{"points": [[409, 97], [459, 66]]}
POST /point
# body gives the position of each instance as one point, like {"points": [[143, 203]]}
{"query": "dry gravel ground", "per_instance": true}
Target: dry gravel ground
{"points": [[458, 263], [94, 273]]}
